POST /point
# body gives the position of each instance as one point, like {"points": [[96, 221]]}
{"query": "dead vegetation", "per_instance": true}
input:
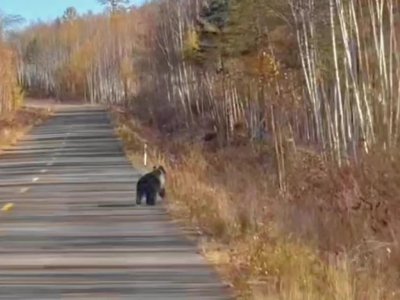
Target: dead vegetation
{"points": [[14, 125], [331, 235]]}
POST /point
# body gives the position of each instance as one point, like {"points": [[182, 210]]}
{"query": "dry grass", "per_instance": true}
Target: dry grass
{"points": [[16, 124], [332, 235]]}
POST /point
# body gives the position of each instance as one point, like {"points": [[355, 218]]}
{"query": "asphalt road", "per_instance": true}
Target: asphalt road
{"points": [[75, 233]]}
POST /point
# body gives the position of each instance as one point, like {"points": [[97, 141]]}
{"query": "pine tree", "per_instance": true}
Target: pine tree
{"points": [[70, 14], [114, 5]]}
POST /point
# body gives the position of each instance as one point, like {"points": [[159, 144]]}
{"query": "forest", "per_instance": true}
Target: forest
{"points": [[279, 121]]}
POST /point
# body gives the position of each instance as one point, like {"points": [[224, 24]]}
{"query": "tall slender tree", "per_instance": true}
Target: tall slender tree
{"points": [[114, 5], [7, 21], [70, 14]]}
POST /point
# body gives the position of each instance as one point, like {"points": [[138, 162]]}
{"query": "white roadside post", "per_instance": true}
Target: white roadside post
{"points": [[145, 155]]}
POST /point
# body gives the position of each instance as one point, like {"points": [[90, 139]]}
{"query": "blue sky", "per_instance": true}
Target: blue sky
{"points": [[46, 10]]}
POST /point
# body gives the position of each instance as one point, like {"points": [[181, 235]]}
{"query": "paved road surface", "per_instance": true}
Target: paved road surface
{"points": [[74, 232]]}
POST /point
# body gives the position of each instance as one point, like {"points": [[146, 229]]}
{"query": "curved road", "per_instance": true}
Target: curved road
{"points": [[74, 232]]}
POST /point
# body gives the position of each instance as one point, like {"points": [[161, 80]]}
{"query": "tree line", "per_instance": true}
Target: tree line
{"points": [[295, 72], [10, 92]]}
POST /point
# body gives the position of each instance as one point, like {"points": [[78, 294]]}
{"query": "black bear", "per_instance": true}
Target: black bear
{"points": [[150, 185]]}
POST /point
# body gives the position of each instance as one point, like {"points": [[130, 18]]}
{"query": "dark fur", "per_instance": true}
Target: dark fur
{"points": [[150, 185]]}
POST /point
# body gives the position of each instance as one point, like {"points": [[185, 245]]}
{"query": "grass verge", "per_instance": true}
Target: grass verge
{"points": [[331, 235], [15, 125]]}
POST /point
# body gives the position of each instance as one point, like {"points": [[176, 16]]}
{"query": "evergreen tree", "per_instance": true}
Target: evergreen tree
{"points": [[70, 14], [114, 5]]}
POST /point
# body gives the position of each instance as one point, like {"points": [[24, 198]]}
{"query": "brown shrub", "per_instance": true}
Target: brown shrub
{"points": [[15, 124], [331, 235]]}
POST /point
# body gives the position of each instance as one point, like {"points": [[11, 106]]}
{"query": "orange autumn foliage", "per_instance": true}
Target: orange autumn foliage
{"points": [[10, 95]]}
